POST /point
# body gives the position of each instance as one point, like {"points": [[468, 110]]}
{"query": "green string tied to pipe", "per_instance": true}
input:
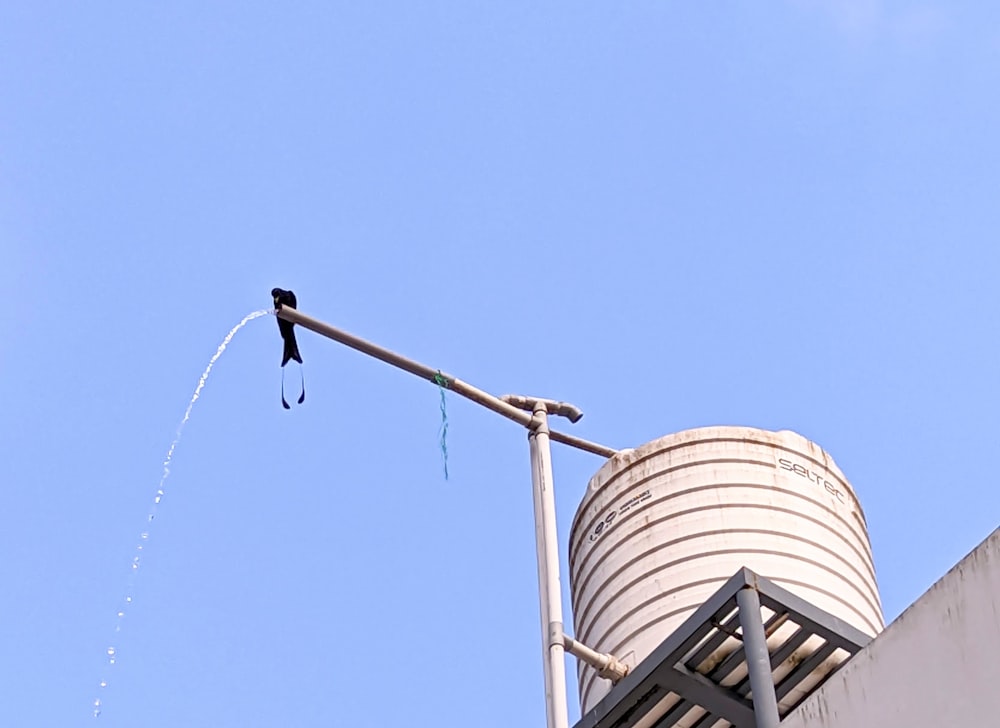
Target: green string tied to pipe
{"points": [[442, 382]]}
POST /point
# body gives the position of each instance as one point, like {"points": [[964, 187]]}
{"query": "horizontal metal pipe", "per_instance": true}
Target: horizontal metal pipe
{"points": [[581, 444], [590, 656], [435, 376], [489, 401], [608, 666], [357, 343]]}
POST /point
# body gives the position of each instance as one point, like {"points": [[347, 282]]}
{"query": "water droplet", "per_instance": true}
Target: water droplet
{"points": [[156, 499], [111, 652], [128, 599], [97, 708], [144, 535], [121, 614], [104, 684]]}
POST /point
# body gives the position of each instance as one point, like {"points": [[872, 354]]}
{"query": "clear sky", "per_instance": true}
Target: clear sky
{"points": [[671, 214]]}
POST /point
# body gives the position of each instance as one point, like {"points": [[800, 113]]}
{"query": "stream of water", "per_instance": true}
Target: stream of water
{"points": [[127, 600]]}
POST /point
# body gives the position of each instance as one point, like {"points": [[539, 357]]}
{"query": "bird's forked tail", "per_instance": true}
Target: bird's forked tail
{"points": [[293, 355]]}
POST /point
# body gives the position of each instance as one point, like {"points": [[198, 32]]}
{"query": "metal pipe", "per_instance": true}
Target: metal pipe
{"points": [[563, 409], [581, 444], [549, 587], [608, 666], [765, 702], [543, 577], [435, 376]]}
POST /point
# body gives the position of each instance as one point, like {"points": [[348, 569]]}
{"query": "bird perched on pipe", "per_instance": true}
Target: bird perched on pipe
{"points": [[291, 348], [287, 298]]}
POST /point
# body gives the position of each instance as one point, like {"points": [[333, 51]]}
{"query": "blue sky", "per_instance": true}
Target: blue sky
{"points": [[669, 214]]}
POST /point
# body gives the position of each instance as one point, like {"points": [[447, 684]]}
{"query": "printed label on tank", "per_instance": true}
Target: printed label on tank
{"points": [[813, 477], [630, 504]]}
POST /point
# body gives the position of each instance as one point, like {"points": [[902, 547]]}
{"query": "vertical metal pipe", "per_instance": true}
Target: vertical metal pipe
{"points": [[543, 594], [765, 703], [549, 587]]}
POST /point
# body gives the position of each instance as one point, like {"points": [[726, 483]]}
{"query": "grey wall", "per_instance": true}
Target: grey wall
{"points": [[937, 665]]}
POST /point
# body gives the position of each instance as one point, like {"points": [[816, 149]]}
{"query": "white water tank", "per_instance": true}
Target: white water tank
{"points": [[663, 526]]}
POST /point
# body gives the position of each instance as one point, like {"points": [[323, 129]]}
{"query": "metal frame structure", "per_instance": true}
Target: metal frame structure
{"points": [[685, 679]]}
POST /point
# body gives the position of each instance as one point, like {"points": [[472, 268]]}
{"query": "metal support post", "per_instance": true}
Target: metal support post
{"points": [[549, 589], [765, 703]]}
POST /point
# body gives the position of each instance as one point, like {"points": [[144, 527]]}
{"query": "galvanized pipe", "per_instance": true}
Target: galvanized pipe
{"points": [[549, 586], [765, 702], [543, 575], [608, 666], [435, 376]]}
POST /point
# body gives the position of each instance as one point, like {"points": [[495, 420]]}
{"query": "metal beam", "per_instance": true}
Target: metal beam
{"points": [[799, 638], [792, 679], [436, 376], [843, 635], [738, 656], [725, 631], [669, 719], [705, 721], [695, 687]]}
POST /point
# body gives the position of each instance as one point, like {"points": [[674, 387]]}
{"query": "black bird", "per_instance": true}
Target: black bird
{"points": [[287, 298]]}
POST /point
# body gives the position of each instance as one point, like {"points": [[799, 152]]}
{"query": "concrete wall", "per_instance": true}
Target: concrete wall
{"points": [[937, 665]]}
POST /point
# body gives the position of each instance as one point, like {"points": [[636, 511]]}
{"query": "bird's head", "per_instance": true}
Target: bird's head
{"points": [[283, 298]]}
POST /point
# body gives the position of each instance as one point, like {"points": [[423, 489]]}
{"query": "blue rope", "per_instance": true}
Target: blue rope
{"points": [[442, 382]]}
